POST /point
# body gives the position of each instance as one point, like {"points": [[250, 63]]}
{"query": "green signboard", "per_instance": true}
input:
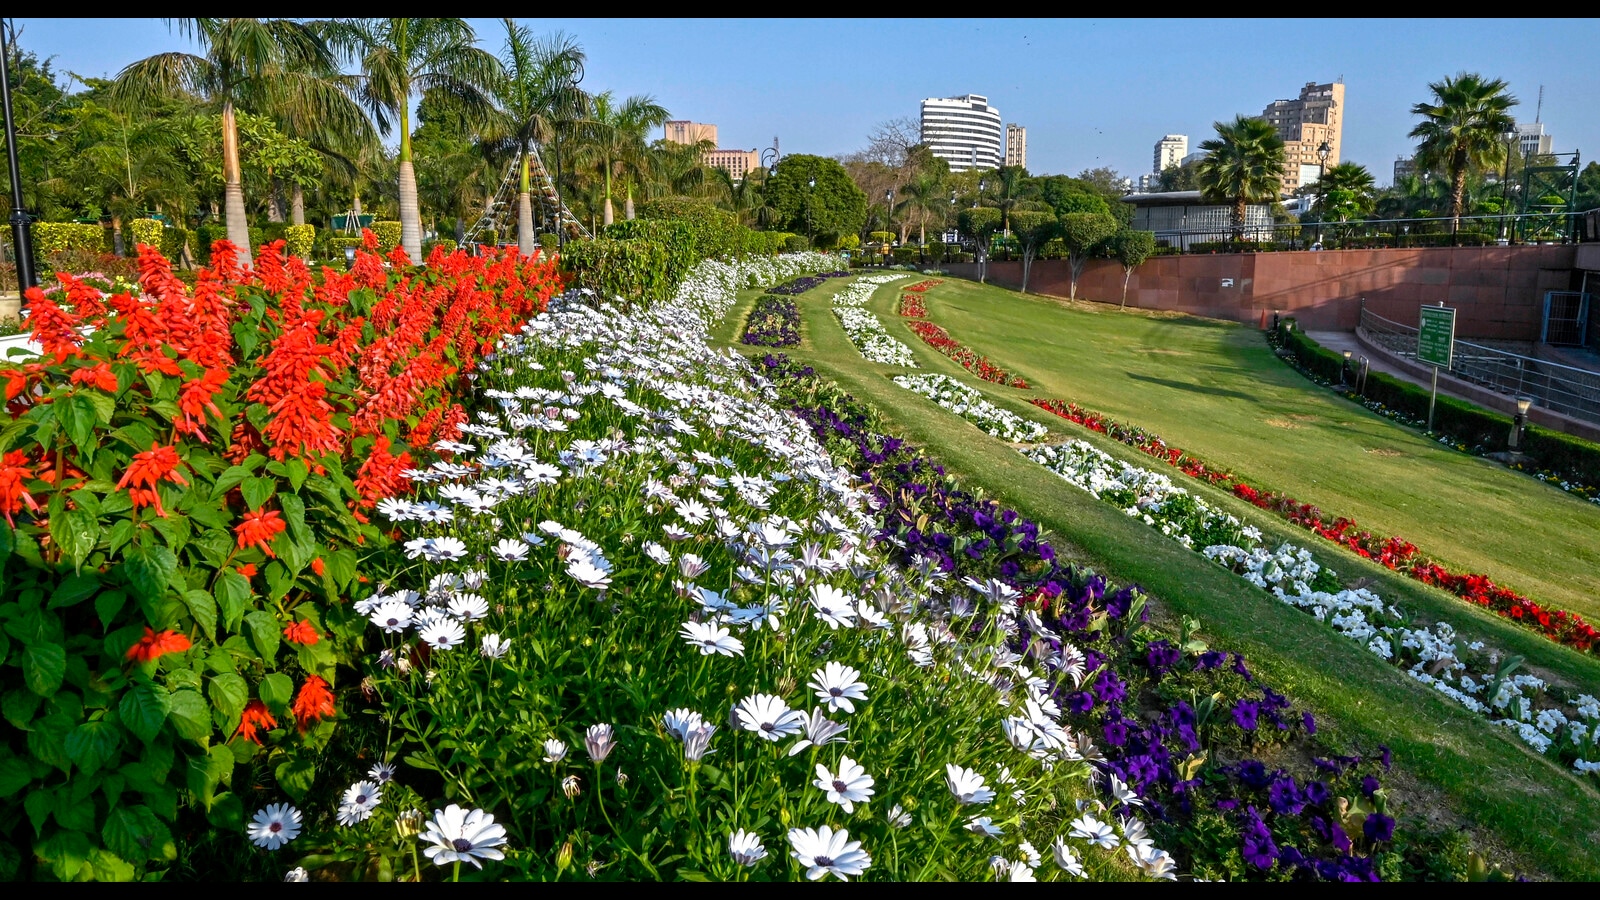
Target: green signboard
{"points": [[1436, 336]]}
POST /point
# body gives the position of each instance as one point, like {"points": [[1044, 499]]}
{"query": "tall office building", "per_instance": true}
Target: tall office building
{"points": [[1404, 167], [682, 131], [1016, 145], [1170, 151], [1532, 141], [964, 131], [1317, 115]]}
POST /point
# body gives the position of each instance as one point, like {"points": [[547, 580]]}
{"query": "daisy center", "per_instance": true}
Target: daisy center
{"points": [[275, 827], [461, 845], [835, 692], [840, 786], [825, 861], [766, 726]]}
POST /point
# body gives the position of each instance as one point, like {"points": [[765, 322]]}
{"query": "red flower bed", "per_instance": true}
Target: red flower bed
{"points": [[940, 340], [912, 307], [922, 286], [1392, 552]]}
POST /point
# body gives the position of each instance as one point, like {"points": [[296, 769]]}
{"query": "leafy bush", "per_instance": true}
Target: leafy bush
{"points": [[635, 270], [55, 237], [675, 237], [174, 243], [207, 236], [388, 235], [713, 233], [184, 492], [299, 239], [146, 231], [905, 255], [549, 241]]}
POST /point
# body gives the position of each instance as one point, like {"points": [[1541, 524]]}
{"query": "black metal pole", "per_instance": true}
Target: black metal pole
{"points": [[21, 236]]}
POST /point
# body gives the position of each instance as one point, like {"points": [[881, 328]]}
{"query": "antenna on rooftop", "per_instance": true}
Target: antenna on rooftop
{"points": [[1537, 110]]}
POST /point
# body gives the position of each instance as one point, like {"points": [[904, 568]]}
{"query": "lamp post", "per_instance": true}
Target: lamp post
{"points": [[888, 224], [1505, 189], [811, 186], [21, 235], [1518, 423], [1324, 150], [770, 156], [1344, 371]]}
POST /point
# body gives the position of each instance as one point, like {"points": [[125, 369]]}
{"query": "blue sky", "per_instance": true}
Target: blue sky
{"points": [[1091, 92]]}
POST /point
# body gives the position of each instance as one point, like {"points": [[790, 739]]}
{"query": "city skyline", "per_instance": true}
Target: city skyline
{"points": [[1092, 92]]}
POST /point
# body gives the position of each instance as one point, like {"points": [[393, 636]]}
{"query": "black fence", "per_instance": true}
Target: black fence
{"points": [[1371, 234]]}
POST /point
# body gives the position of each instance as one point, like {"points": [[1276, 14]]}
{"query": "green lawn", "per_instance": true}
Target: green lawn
{"points": [[1462, 771]]}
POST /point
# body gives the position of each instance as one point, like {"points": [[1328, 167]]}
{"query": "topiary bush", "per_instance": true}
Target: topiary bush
{"points": [[796, 243], [146, 231], [300, 239], [713, 232], [174, 243], [56, 237], [446, 244], [388, 235], [204, 237], [677, 240], [635, 270]]}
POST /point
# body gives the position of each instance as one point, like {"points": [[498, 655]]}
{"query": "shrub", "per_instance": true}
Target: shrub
{"points": [[54, 237], [174, 242], [796, 243], [635, 270], [674, 236], [448, 245], [903, 255], [146, 231], [337, 244], [300, 239], [549, 241], [388, 235], [713, 232], [205, 236]]}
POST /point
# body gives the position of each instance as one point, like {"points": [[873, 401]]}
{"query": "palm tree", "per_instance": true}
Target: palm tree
{"points": [[615, 141], [539, 92], [1244, 165], [1347, 190], [400, 58], [1463, 129], [268, 66], [925, 198]]}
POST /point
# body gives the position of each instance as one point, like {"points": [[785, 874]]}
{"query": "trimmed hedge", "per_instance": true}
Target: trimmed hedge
{"points": [[300, 239], [388, 235], [449, 245], [174, 242], [712, 232], [676, 237], [549, 241], [1465, 422], [55, 237], [146, 231], [635, 270]]}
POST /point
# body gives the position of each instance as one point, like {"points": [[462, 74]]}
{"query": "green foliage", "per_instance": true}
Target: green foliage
{"points": [[1130, 248], [338, 243], [549, 241], [205, 236], [881, 237], [635, 270], [146, 231], [981, 221], [834, 207], [675, 237], [905, 255], [175, 242], [56, 237], [1244, 165], [796, 243], [300, 239], [388, 235], [448, 245], [712, 233]]}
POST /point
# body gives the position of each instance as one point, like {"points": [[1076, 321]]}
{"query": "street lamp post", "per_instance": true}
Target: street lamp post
{"points": [[21, 235], [1505, 189], [1324, 150], [770, 156], [811, 187], [888, 225]]}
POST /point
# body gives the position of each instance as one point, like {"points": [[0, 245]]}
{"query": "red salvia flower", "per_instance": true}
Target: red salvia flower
{"points": [[54, 329], [99, 376], [255, 715], [149, 469], [300, 632], [314, 702], [379, 476], [86, 299], [257, 529], [196, 398], [14, 474], [157, 643]]}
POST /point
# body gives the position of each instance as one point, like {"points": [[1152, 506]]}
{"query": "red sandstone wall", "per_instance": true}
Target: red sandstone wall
{"points": [[1498, 291]]}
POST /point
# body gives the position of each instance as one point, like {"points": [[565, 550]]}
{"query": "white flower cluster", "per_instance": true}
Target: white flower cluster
{"points": [[866, 331], [860, 290], [1430, 655], [747, 538], [969, 404]]}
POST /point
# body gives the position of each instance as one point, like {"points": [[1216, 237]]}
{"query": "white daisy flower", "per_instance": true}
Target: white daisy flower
{"points": [[967, 785], [599, 741], [832, 606], [508, 550], [554, 751], [1087, 828], [583, 570], [469, 607], [711, 638], [984, 825], [1160, 865], [443, 634], [392, 616], [836, 685], [275, 825], [692, 566], [1020, 871], [1067, 859], [697, 741], [745, 847], [395, 509], [382, 773], [768, 716], [819, 731], [360, 799], [657, 552], [847, 787], [898, 817], [823, 851], [494, 646], [675, 533], [681, 721], [457, 835], [693, 512]]}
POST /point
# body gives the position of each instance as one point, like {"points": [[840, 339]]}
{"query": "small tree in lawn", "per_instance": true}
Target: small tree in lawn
{"points": [[1082, 233], [1131, 248], [1032, 229], [981, 222]]}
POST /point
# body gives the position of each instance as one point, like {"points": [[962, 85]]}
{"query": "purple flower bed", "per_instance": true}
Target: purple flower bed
{"points": [[805, 283], [774, 322], [1179, 722]]}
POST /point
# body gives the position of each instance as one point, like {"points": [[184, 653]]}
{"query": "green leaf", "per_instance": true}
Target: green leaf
{"points": [[119, 535], [8, 542], [297, 473], [279, 579], [105, 405], [39, 804], [227, 812], [295, 777], [233, 593], [43, 667], [109, 867], [74, 589], [107, 605], [262, 627], [93, 744], [276, 690], [229, 693], [143, 709], [174, 529], [190, 715], [204, 610], [206, 772], [294, 515], [14, 775], [257, 490], [229, 479], [78, 417], [134, 833], [67, 852], [149, 569]]}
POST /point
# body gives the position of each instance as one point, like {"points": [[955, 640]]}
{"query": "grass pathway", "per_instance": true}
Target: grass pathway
{"points": [[1471, 774]]}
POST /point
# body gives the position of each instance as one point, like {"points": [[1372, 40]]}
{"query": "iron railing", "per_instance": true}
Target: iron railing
{"points": [[1564, 389], [1370, 234]]}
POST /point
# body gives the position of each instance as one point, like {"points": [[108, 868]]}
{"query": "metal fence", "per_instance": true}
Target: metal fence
{"points": [[1469, 231], [1564, 389]]}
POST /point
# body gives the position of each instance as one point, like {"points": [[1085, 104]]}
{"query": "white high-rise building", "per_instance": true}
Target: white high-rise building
{"points": [[964, 131], [1531, 139], [1170, 151]]}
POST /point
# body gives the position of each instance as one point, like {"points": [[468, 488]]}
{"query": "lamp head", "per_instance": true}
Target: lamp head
{"points": [[1522, 405], [1324, 150], [1347, 356]]}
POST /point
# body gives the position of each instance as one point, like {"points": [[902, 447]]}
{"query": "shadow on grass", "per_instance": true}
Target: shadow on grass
{"points": [[1194, 388]]}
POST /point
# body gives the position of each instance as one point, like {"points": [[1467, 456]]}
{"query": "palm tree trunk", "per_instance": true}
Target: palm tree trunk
{"points": [[1458, 197], [609, 216], [297, 206], [525, 241], [275, 204], [233, 188], [410, 213], [117, 246], [627, 205]]}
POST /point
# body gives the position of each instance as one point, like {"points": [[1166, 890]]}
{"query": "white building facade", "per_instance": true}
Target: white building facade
{"points": [[1532, 141], [964, 131], [1170, 151]]}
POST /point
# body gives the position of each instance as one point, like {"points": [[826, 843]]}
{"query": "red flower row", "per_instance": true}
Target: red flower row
{"points": [[922, 286], [1391, 552], [940, 340], [912, 307]]}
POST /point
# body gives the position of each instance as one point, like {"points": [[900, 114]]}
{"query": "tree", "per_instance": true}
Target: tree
{"points": [[1008, 185], [1082, 233], [538, 91], [615, 141], [822, 211], [1032, 229], [1179, 178], [1347, 192], [401, 58], [1244, 165], [1588, 188], [267, 66], [1130, 248], [924, 198], [1463, 129]]}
